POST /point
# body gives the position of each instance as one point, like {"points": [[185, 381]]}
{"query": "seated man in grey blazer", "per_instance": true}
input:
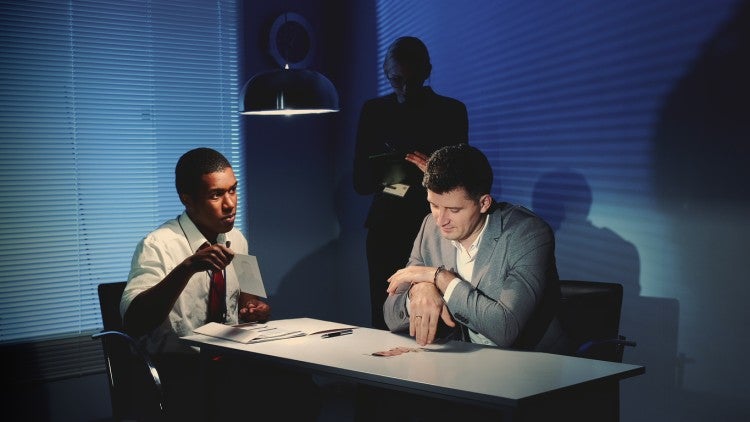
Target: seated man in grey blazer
{"points": [[483, 270]]}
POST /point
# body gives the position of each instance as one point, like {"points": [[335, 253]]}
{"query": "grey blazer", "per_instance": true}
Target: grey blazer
{"points": [[514, 290]]}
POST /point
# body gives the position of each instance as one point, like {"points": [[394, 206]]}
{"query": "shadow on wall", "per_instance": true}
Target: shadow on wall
{"points": [[702, 180], [586, 252], [702, 138], [330, 283]]}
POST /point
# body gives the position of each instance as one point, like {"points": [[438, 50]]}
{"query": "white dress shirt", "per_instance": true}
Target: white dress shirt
{"points": [[155, 256], [465, 262]]}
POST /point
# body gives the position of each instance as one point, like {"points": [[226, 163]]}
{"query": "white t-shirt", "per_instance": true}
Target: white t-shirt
{"points": [[155, 256]]}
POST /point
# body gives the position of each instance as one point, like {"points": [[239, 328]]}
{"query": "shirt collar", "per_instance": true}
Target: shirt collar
{"points": [[194, 236], [474, 245]]}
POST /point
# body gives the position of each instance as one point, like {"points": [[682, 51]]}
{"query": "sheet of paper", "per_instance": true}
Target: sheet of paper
{"points": [[248, 273], [228, 332], [246, 333], [399, 189], [254, 332], [309, 325]]}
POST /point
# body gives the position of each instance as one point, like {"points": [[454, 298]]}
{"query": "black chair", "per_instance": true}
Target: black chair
{"points": [[590, 314], [135, 388]]}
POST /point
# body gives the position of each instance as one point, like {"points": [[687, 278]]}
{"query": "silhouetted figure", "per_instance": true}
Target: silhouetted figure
{"points": [[413, 121]]}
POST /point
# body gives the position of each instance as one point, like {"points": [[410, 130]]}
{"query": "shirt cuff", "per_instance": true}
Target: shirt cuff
{"points": [[449, 290]]}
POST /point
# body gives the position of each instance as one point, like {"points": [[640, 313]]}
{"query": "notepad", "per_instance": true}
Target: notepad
{"points": [[273, 330], [392, 168]]}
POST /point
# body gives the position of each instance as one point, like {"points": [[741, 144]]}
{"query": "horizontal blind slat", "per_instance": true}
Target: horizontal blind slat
{"points": [[99, 100]]}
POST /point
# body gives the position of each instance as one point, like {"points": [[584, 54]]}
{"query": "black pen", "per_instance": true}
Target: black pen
{"points": [[336, 334]]}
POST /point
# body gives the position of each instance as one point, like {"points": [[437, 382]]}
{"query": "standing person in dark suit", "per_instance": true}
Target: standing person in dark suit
{"points": [[410, 123]]}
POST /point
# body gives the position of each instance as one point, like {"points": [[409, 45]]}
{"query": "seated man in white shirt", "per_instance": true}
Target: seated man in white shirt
{"points": [[181, 278]]}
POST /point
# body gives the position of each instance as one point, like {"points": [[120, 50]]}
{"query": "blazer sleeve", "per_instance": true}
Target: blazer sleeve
{"points": [[512, 281]]}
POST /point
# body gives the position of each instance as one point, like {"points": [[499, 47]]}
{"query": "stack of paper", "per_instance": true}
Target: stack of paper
{"points": [[273, 330], [246, 334]]}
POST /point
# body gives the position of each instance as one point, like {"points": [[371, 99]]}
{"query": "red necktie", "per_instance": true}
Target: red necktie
{"points": [[217, 293]]}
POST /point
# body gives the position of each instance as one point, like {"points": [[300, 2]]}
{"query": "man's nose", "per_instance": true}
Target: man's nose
{"points": [[440, 217], [230, 201]]}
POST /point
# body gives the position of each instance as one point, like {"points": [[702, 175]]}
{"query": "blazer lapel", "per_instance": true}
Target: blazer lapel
{"points": [[487, 248], [448, 256]]}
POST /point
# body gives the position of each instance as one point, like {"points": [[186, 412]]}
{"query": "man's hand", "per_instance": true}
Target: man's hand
{"points": [[426, 308], [252, 309], [419, 159], [412, 274], [210, 258]]}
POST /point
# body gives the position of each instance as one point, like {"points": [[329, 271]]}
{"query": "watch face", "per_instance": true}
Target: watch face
{"points": [[291, 41]]}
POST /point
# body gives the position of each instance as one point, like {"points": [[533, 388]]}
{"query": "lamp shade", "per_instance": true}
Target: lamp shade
{"points": [[288, 91]]}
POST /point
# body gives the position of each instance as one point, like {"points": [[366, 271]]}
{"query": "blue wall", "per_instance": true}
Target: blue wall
{"points": [[625, 124], [631, 114], [622, 123]]}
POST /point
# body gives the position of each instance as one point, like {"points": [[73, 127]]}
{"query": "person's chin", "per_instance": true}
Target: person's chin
{"points": [[448, 234], [227, 223]]}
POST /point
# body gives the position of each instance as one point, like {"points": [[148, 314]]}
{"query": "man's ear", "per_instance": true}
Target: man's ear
{"points": [[484, 203], [186, 200]]}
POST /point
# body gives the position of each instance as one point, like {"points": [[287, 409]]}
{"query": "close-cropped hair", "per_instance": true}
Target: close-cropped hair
{"points": [[193, 165], [459, 166]]}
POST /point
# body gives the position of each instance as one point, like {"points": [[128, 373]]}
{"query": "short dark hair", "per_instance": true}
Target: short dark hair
{"points": [[459, 166], [193, 165], [411, 52]]}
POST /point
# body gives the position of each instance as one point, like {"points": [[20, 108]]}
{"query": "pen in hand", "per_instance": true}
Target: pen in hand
{"points": [[336, 334]]}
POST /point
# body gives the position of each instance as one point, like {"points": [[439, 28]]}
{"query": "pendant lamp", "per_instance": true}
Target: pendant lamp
{"points": [[293, 89]]}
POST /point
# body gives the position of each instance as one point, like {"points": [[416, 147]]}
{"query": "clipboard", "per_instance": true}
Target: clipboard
{"points": [[391, 168]]}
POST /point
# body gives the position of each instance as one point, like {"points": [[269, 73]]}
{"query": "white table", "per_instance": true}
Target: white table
{"points": [[465, 372]]}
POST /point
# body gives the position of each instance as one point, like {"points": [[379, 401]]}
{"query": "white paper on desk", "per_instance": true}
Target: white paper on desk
{"points": [[248, 273], [228, 332], [254, 332], [246, 333], [309, 326]]}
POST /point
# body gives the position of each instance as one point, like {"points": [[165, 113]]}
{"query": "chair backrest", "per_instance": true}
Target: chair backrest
{"points": [[589, 312], [134, 384], [109, 303]]}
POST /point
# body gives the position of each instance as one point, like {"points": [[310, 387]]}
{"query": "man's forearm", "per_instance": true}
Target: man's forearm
{"points": [[152, 306], [443, 278]]}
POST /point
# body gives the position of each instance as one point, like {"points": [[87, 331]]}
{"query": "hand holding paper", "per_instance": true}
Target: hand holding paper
{"points": [[248, 274], [252, 309]]}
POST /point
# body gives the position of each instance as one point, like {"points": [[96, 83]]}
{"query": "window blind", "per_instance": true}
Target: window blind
{"points": [[99, 100]]}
